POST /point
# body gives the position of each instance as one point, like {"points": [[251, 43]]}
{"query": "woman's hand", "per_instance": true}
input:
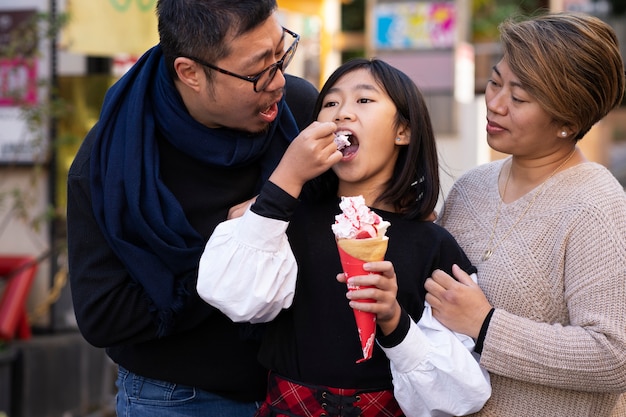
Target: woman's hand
{"points": [[459, 305], [382, 287]]}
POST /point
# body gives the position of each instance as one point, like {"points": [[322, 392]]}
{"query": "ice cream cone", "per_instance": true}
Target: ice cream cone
{"points": [[353, 254], [367, 250]]}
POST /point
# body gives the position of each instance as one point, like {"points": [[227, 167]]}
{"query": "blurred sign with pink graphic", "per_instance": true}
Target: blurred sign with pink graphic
{"points": [[18, 81], [19, 86], [18, 61]]}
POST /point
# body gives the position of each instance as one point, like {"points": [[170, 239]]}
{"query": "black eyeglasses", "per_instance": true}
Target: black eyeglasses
{"points": [[261, 80]]}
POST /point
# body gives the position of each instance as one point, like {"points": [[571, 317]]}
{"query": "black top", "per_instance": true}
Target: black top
{"points": [[316, 340], [206, 350]]}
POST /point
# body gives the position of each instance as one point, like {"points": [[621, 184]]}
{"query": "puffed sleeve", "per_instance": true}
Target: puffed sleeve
{"points": [[247, 269]]}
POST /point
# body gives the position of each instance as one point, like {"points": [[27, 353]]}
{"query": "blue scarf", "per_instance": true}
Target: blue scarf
{"points": [[141, 219]]}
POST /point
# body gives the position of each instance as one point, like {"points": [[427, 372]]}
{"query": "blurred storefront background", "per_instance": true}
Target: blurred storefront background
{"points": [[51, 88]]}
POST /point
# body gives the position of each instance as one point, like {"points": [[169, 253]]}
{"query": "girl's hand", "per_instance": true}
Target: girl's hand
{"points": [[382, 287], [459, 305]]}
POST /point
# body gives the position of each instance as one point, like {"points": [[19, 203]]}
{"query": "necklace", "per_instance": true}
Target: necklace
{"points": [[491, 246]]}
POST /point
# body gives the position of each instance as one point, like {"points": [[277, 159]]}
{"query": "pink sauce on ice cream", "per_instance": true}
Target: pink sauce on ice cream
{"points": [[357, 221]]}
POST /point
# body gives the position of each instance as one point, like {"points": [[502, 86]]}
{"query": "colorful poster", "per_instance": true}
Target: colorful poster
{"points": [[414, 25]]}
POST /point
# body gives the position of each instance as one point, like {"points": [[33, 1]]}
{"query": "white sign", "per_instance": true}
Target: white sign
{"points": [[17, 143]]}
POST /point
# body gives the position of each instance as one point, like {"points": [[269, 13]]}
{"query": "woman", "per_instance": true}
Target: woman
{"points": [[545, 227], [313, 347]]}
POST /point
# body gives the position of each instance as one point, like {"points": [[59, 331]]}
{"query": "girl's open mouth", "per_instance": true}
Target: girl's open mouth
{"points": [[349, 147]]}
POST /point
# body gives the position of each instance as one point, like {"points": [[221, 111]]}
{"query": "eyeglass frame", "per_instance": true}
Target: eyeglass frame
{"points": [[278, 65]]}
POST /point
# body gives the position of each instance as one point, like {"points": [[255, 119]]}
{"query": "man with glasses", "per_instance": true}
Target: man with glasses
{"points": [[196, 127]]}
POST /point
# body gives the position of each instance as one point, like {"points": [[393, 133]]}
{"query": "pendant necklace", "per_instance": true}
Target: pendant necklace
{"points": [[491, 246]]}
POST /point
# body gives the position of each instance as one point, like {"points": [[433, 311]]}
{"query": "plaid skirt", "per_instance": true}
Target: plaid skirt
{"points": [[286, 398]]}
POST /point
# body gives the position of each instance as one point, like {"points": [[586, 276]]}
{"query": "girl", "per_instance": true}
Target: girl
{"points": [[312, 347]]}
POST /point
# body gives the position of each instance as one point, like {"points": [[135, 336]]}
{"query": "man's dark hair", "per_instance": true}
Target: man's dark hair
{"points": [[199, 27]]}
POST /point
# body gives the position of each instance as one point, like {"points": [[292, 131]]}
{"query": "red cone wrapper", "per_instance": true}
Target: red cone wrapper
{"points": [[366, 322]]}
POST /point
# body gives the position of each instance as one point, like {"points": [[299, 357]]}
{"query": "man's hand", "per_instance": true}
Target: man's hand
{"points": [[239, 209], [310, 154], [459, 305]]}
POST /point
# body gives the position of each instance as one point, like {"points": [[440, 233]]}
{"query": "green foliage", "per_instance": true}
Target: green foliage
{"points": [[17, 203], [353, 15], [488, 14]]}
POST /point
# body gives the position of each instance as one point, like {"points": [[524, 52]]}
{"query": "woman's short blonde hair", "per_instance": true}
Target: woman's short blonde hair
{"points": [[569, 62]]}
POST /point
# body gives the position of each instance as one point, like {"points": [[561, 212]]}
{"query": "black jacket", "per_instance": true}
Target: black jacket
{"points": [[206, 350]]}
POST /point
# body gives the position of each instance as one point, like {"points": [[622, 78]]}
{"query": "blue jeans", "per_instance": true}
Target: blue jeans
{"points": [[138, 396]]}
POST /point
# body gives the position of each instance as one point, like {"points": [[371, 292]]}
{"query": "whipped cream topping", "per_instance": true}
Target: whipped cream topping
{"points": [[357, 221], [341, 140]]}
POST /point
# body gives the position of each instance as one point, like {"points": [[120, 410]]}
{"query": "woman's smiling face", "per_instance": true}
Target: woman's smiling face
{"points": [[360, 106]]}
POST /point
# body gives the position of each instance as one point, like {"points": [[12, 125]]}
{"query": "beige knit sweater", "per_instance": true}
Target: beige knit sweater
{"points": [[556, 344]]}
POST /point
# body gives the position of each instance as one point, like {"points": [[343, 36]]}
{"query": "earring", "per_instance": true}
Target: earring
{"points": [[398, 139], [563, 133]]}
